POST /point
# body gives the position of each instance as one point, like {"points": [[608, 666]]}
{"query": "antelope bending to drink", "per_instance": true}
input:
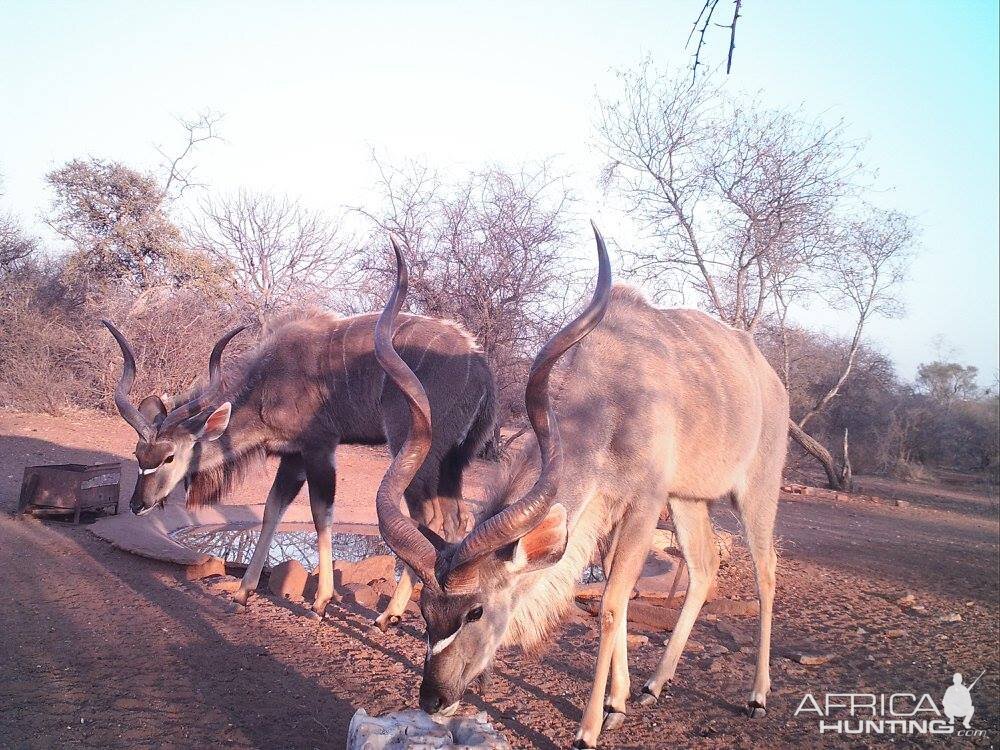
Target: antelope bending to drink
{"points": [[655, 408], [310, 385]]}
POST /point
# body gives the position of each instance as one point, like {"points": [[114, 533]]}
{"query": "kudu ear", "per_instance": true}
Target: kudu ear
{"points": [[433, 537], [153, 409], [544, 545], [216, 423]]}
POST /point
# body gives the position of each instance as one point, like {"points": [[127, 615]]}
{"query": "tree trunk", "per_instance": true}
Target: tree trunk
{"points": [[814, 448], [846, 472]]}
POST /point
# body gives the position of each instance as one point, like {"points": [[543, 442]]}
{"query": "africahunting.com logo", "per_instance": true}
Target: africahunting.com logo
{"points": [[901, 713]]}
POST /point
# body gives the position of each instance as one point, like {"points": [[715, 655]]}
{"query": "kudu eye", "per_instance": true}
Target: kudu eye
{"points": [[169, 459], [474, 614]]}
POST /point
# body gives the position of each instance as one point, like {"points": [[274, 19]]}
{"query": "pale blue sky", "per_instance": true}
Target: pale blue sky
{"points": [[308, 88]]}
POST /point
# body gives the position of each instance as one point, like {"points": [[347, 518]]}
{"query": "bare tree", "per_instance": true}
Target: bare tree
{"points": [[737, 200], [15, 246], [177, 170], [278, 252], [700, 28], [487, 250], [746, 207]]}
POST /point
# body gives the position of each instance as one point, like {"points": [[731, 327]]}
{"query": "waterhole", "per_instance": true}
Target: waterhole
{"points": [[297, 541], [292, 541]]}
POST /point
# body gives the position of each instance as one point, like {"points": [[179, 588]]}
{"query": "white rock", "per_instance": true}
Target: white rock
{"points": [[415, 730]]}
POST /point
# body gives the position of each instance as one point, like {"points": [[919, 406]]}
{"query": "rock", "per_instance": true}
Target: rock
{"points": [[635, 640], [733, 607], [213, 566], [361, 594], [740, 635], [227, 584], [415, 730], [577, 616], [902, 504], [895, 633], [716, 666], [953, 617], [651, 616], [288, 579], [691, 647], [364, 571], [813, 660], [588, 591], [384, 587], [920, 610], [906, 601], [716, 649]]}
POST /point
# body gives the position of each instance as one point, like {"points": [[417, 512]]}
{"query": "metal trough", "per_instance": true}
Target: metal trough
{"points": [[70, 488]]}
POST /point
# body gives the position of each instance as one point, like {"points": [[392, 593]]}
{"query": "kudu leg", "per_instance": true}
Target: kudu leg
{"points": [[454, 518], [614, 704], [287, 482], [322, 477], [635, 536], [422, 504], [697, 542], [758, 508], [397, 604]]}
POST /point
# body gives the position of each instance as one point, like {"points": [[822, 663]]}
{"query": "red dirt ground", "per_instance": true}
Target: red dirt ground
{"points": [[103, 649]]}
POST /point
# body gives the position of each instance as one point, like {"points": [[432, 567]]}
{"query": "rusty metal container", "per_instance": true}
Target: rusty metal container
{"points": [[70, 488]]}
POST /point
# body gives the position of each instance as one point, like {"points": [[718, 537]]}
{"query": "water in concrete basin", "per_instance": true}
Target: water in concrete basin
{"points": [[292, 541], [297, 541]]}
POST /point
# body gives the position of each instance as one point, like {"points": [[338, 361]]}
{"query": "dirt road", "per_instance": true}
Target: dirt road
{"points": [[103, 649]]}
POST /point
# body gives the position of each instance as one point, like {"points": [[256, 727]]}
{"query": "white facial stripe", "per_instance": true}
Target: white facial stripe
{"points": [[144, 472], [441, 645]]}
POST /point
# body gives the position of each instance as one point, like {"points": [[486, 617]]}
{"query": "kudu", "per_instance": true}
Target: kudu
{"points": [[656, 408], [310, 385]]}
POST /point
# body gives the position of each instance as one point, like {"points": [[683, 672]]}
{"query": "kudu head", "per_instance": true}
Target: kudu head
{"points": [[168, 433], [470, 586]]}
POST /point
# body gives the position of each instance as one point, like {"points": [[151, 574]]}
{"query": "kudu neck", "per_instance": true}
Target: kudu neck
{"points": [[243, 435], [542, 598]]}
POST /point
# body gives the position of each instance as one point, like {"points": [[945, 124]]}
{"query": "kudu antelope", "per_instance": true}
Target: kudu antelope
{"points": [[655, 408], [310, 385]]}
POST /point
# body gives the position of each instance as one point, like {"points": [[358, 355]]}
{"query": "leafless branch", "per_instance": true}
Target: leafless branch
{"points": [[178, 173]]}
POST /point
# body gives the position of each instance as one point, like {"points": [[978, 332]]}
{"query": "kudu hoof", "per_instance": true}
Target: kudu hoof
{"points": [[646, 697], [241, 597], [755, 710], [612, 720], [383, 622], [319, 609], [581, 744]]}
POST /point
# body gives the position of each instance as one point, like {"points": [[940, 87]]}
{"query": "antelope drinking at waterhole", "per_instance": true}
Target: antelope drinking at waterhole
{"points": [[310, 385], [656, 408]]}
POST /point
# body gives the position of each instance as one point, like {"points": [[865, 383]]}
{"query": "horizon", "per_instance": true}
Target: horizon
{"points": [[928, 112]]}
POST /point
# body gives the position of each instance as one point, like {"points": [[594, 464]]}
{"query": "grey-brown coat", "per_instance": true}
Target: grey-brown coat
{"points": [[310, 385], [654, 408]]}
